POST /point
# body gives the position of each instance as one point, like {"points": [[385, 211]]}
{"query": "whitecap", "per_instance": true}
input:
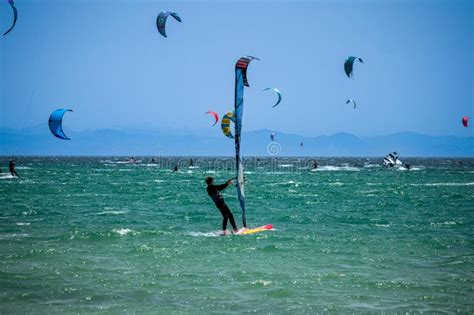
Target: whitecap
{"points": [[115, 212], [442, 223], [444, 184], [13, 236], [262, 282], [205, 234], [372, 165], [124, 231], [337, 168]]}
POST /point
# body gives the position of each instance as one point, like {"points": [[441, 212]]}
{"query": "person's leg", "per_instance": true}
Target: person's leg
{"points": [[230, 216], [221, 206], [224, 224]]}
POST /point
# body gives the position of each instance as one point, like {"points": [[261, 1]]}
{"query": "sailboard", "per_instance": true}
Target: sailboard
{"points": [[267, 227], [240, 82]]}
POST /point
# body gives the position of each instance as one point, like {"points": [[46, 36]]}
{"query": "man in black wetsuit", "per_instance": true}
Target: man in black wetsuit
{"points": [[11, 167], [214, 192]]}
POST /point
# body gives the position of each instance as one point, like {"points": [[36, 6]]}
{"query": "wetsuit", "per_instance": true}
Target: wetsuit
{"points": [[11, 167], [214, 192]]}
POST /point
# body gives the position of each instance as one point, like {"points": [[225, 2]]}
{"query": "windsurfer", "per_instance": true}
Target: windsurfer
{"points": [[11, 167], [214, 192]]}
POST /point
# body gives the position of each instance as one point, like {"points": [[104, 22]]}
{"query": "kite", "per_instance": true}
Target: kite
{"points": [[349, 65], [216, 117], [225, 124], [465, 121], [15, 16], [391, 159], [351, 100], [56, 121], [161, 21], [278, 93]]}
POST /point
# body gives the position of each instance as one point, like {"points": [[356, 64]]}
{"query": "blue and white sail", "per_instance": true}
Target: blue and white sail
{"points": [[240, 81], [391, 159]]}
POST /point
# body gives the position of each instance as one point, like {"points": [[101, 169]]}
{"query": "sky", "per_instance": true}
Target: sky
{"points": [[106, 60]]}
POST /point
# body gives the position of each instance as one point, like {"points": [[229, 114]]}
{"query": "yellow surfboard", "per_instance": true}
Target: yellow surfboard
{"points": [[256, 230]]}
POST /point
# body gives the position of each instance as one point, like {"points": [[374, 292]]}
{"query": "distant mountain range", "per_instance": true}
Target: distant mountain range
{"points": [[155, 142]]}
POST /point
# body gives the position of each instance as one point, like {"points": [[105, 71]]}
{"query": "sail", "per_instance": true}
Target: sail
{"points": [[240, 82], [391, 159]]}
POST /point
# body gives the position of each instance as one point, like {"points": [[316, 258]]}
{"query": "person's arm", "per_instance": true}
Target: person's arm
{"points": [[223, 186]]}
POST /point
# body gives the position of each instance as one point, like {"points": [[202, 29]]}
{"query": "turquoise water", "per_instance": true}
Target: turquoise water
{"points": [[100, 235]]}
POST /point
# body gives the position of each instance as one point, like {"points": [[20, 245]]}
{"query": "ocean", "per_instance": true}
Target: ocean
{"points": [[101, 235]]}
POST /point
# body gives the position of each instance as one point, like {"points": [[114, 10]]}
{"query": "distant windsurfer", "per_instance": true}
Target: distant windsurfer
{"points": [[175, 169], [11, 167], [191, 163], [214, 192]]}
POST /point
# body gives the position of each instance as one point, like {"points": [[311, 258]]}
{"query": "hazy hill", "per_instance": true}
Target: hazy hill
{"points": [[134, 141]]}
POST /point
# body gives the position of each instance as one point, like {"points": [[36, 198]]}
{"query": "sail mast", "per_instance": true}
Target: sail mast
{"points": [[240, 81]]}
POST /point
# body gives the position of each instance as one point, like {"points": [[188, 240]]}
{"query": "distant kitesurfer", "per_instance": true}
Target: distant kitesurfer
{"points": [[314, 164], [191, 163], [214, 192], [175, 169], [11, 167]]}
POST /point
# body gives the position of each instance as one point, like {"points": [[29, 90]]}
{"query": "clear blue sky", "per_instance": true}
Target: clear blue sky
{"points": [[106, 60]]}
